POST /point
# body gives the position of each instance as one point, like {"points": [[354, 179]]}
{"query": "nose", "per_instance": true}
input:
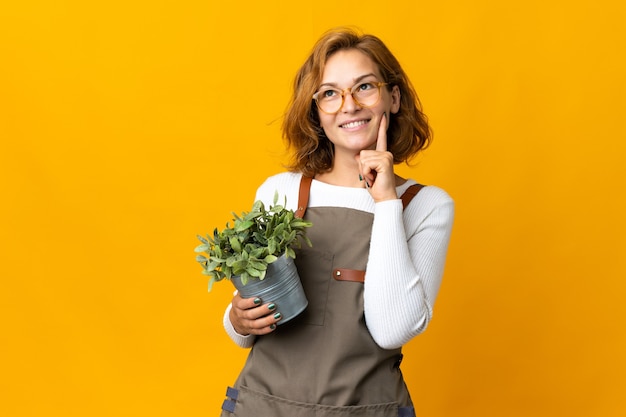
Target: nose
{"points": [[349, 104]]}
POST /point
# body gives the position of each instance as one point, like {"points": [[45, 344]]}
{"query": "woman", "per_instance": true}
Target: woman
{"points": [[353, 116]]}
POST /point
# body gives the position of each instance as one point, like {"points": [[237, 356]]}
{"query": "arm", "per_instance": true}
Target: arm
{"points": [[241, 341], [405, 265]]}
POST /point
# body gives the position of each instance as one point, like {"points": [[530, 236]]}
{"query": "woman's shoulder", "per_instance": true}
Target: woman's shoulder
{"points": [[427, 192], [429, 197], [436, 194], [431, 207]]}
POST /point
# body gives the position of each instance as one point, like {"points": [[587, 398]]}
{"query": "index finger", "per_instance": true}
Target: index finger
{"points": [[381, 142], [246, 303]]}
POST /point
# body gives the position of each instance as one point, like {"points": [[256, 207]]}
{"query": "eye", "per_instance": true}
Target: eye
{"points": [[365, 87], [330, 93]]}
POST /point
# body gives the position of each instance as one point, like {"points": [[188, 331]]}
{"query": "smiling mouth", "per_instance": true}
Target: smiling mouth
{"points": [[351, 125]]}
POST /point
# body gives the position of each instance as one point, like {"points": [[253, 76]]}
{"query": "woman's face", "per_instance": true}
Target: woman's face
{"points": [[354, 128]]}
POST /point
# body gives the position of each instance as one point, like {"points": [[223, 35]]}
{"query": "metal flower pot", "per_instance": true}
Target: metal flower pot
{"points": [[281, 286]]}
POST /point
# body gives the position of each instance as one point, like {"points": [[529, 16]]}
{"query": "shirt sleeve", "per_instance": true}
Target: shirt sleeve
{"points": [[240, 340], [405, 265]]}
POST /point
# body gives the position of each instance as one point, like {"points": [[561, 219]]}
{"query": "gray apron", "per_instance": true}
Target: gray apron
{"points": [[325, 362]]}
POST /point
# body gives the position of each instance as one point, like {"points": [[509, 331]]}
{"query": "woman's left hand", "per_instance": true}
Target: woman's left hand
{"points": [[376, 167]]}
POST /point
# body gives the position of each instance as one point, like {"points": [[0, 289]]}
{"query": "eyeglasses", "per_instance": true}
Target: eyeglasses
{"points": [[330, 100]]}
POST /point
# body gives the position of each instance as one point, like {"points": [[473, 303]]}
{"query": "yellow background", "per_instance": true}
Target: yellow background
{"points": [[127, 127]]}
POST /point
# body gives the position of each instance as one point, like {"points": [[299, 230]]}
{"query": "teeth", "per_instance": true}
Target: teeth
{"points": [[354, 124]]}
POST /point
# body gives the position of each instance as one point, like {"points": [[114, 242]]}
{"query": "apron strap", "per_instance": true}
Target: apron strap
{"points": [[303, 195], [410, 193], [354, 275]]}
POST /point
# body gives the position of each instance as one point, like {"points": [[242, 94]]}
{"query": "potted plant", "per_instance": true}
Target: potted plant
{"points": [[256, 253]]}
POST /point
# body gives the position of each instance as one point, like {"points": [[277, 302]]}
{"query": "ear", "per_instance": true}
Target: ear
{"points": [[395, 99]]}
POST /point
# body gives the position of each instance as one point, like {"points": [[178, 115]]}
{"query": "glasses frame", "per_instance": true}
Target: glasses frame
{"points": [[350, 90]]}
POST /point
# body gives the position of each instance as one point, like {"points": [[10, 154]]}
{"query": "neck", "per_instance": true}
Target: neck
{"points": [[344, 172]]}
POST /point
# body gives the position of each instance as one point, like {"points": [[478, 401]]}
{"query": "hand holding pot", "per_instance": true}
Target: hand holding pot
{"points": [[252, 316]]}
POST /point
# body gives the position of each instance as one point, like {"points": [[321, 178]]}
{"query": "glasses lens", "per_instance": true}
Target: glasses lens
{"points": [[329, 100], [367, 94]]}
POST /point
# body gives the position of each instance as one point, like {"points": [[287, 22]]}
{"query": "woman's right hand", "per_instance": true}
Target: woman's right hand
{"points": [[252, 316]]}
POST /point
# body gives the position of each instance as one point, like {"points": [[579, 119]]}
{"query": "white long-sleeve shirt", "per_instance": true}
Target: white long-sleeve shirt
{"points": [[406, 259]]}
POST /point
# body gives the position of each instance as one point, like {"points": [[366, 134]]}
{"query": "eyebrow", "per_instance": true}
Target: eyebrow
{"points": [[356, 80]]}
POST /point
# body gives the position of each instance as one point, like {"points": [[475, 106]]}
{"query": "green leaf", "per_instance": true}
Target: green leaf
{"points": [[297, 223], [244, 278], [272, 246], [259, 266], [201, 258], [212, 266], [202, 248], [279, 229], [289, 237], [203, 240], [231, 260], [235, 244], [260, 238], [253, 272], [270, 259], [244, 225], [257, 252], [290, 253], [258, 206], [253, 215], [239, 266]]}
